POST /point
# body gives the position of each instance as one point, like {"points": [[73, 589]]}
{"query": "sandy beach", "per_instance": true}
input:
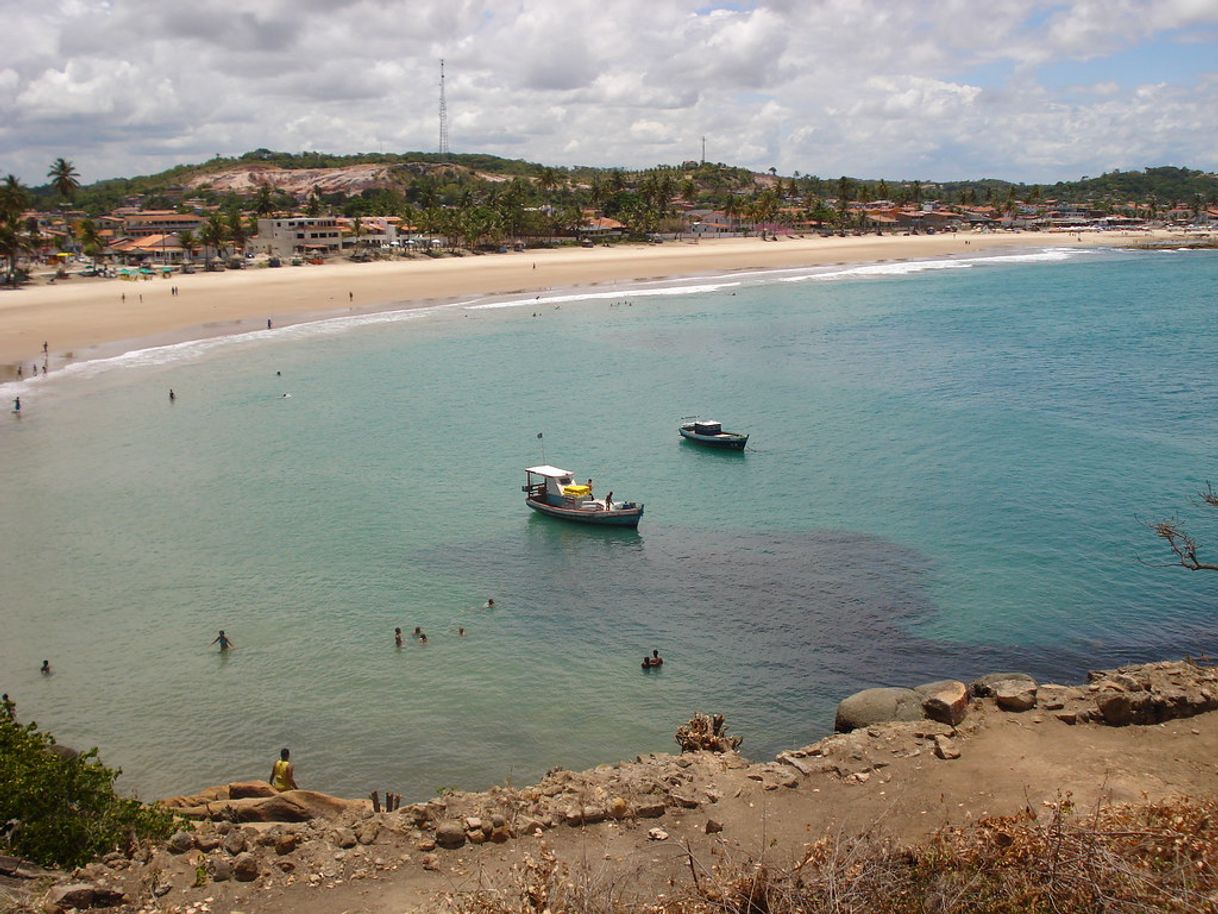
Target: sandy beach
{"points": [[84, 318]]}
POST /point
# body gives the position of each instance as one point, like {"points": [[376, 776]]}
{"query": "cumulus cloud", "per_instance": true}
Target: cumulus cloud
{"points": [[861, 87]]}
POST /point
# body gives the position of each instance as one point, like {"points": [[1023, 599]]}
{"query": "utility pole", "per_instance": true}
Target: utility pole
{"points": [[443, 115], [703, 150]]}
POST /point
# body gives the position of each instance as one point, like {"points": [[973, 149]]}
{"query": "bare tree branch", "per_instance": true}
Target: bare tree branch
{"points": [[1182, 544]]}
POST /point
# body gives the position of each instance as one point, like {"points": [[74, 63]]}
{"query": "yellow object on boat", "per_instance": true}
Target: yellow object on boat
{"points": [[577, 491]]}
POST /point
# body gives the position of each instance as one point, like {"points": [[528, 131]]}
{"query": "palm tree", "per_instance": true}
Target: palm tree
{"points": [[689, 190], [596, 192], [264, 203], [237, 231], [15, 237], [89, 237], [731, 209], [212, 236], [548, 180], [187, 240], [313, 207], [14, 198], [64, 178]]}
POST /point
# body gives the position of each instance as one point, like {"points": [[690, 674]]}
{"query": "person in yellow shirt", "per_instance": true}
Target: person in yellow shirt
{"points": [[283, 774]]}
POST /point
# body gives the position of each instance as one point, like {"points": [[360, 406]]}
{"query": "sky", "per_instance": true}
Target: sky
{"points": [[1026, 90]]}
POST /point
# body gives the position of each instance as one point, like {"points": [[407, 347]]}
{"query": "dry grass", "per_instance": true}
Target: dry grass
{"points": [[1155, 857]]}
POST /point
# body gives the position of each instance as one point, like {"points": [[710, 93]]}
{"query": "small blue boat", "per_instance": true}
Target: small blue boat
{"points": [[553, 491], [710, 433]]}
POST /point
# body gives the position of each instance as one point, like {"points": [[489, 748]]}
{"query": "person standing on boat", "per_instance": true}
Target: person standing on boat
{"points": [[589, 488], [283, 773], [609, 502]]}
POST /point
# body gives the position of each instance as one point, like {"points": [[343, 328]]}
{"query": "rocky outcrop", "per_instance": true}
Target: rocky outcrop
{"points": [[877, 706], [984, 687], [257, 801], [1152, 693]]}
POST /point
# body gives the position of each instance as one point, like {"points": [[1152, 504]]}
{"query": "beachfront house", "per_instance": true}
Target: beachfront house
{"points": [[160, 222], [165, 248], [369, 232], [284, 237]]}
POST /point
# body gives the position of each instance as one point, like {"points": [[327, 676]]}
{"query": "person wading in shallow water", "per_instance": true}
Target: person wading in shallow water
{"points": [[283, 773], [223, 640]]}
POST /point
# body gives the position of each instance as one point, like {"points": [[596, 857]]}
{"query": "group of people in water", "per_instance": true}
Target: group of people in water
{"points": [[421, 636], [655, 660]]}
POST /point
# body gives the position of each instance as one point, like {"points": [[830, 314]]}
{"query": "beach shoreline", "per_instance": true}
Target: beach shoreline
{"points": [[995, 753], [87, 319]]}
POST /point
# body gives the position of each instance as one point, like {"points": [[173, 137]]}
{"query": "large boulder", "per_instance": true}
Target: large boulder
{"points": [[242, 790], [984, 687], [245, 867], [945, 701], [877, 706], [84, 895], [181, 842], [1015, 695], [450, 834], [1116, 707], [234, 842]]}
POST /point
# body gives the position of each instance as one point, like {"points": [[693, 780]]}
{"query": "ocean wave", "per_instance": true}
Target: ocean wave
{"points": [[907, 267], [621, 294]]}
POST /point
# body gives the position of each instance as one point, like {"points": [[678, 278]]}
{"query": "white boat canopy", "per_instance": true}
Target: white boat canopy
{"points": [[548, 471]]}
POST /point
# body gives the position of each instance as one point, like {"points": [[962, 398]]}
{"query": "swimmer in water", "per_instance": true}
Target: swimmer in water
{"points": [[490, 603], [223, 640], [422, 637], [461, 632], [172, 395], [417, 631], [397, 637], [656, 659], [46, 668], [646, 662]]}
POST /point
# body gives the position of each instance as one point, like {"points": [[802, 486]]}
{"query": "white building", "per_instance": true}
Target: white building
{"points": [[299, 235]]}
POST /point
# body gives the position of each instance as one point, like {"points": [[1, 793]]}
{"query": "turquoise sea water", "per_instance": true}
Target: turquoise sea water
{"points": [[950, 471]]}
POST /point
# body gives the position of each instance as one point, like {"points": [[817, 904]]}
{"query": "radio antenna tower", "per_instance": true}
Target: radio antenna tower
{"points": [[443, 114]]}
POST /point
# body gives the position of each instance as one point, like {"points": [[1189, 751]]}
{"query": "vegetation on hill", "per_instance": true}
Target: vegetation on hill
{"points": [[60, 808], [426, 178]]}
